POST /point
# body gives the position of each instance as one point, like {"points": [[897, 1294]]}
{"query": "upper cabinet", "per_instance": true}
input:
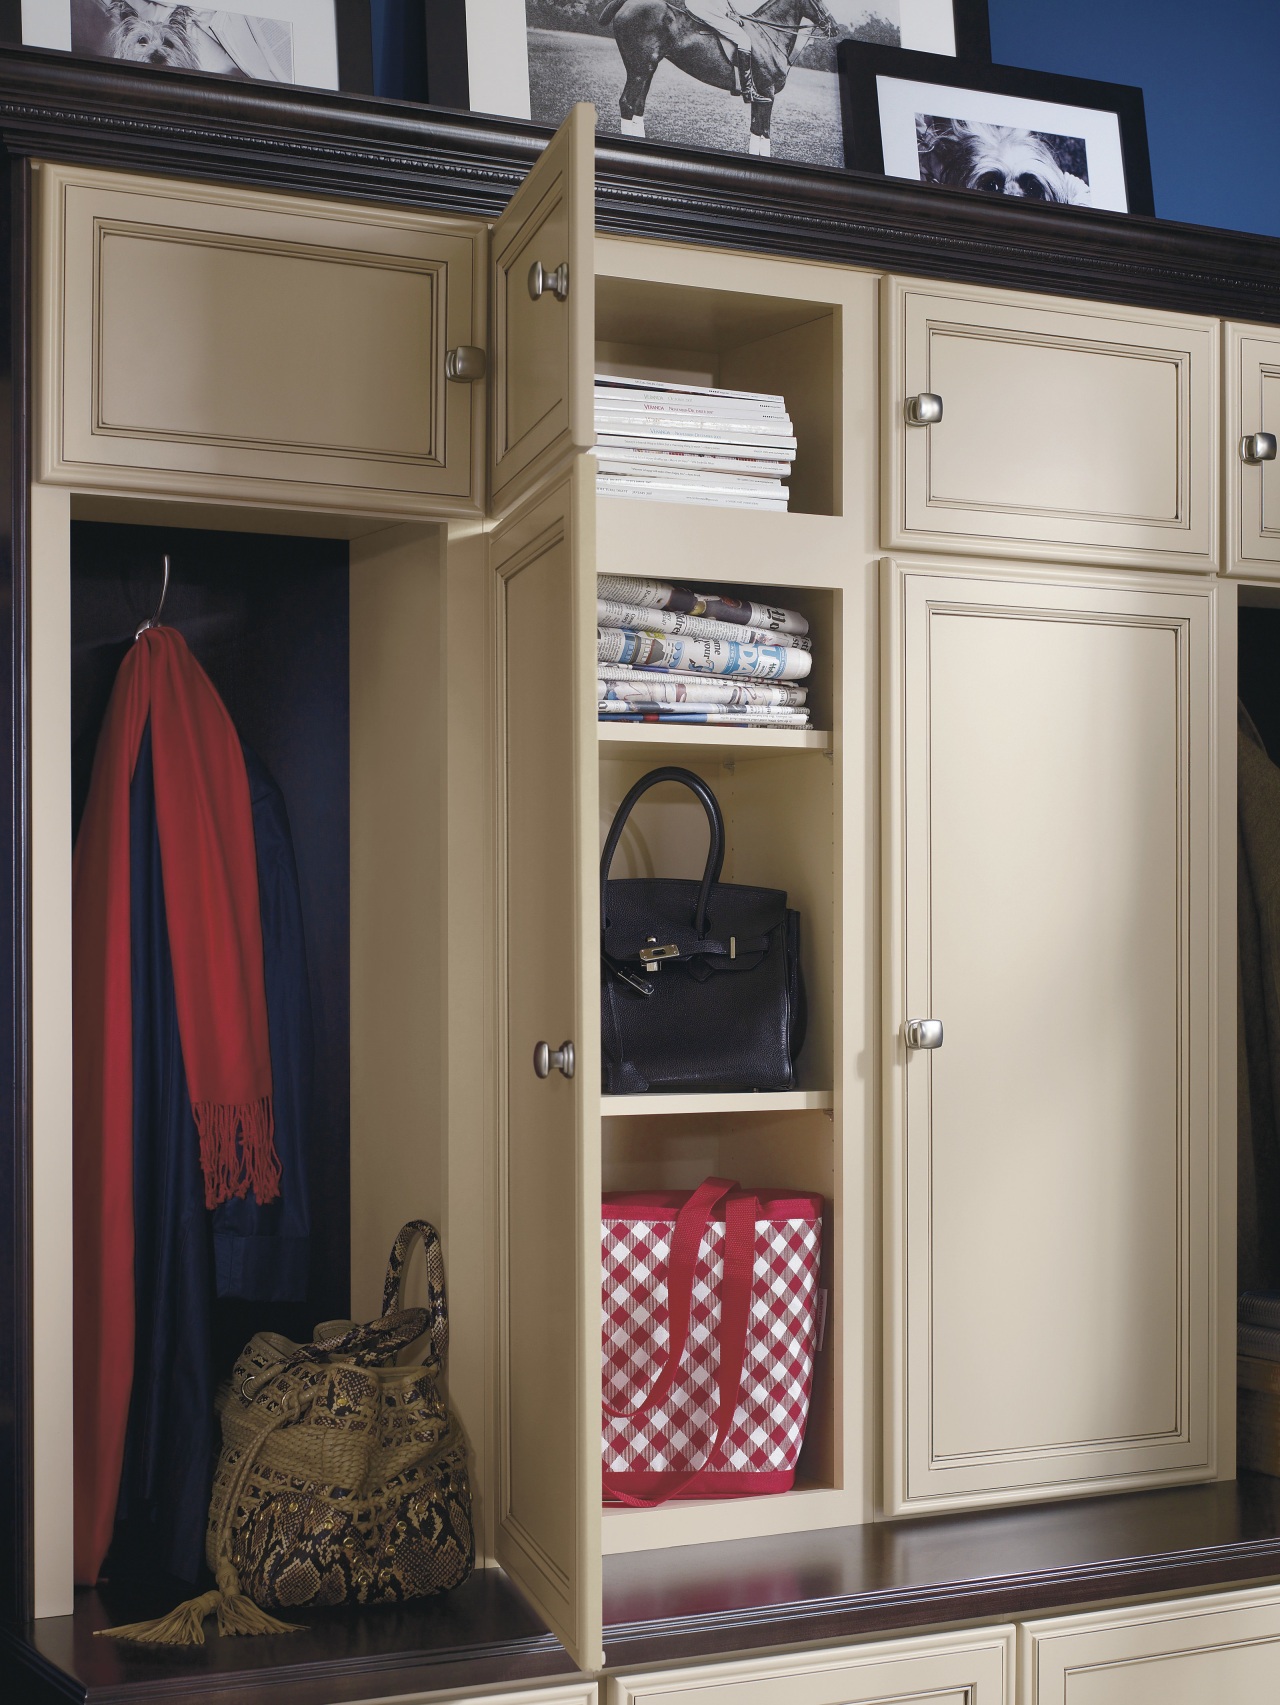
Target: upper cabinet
{"points": [[544, 313], [1251, 361], [192, 336], [1017, 425]]}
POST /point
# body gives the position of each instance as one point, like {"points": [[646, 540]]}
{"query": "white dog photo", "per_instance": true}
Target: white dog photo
{"points": [[1001, 159], [184, 38]]}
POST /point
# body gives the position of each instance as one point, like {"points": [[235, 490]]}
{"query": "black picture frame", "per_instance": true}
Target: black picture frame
{"points": [[861, 64], [353, 25], [973, 30]]}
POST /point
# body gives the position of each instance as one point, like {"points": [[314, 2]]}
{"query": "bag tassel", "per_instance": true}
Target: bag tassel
{"points": [[184, 1626], [236, 1613]]}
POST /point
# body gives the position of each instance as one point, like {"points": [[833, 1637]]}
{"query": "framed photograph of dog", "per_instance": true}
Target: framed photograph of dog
{"points": [[758, 77], [995, 130], [324, 44]]}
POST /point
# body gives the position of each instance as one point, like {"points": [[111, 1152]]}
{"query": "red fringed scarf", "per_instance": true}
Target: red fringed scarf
{"points": [[209, 868]]}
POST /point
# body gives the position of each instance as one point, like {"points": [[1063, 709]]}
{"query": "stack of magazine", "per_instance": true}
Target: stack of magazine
{"points": [[670, 654], [689, 444]]}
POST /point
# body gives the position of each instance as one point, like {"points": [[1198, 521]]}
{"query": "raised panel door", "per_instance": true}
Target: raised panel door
{"points": [[548, 1489], [1251, 359], [543, 283], [1218, 1650], [1050, 873], [1069, 432], [947, 1669], [202, 340]]}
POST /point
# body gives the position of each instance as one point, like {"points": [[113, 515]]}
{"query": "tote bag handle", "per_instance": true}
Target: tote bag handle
{"points": [[741, 1214]]}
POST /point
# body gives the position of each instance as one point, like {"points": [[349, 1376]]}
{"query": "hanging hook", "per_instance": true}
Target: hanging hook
{"points": [[154, 621]]}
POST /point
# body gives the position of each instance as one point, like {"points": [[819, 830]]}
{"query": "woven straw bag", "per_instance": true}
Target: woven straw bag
{"points": [[343, 1476]]}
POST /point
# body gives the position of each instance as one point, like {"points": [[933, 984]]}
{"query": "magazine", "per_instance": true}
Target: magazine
{"points": [[664, 595], [638, 620], [703, 656]]}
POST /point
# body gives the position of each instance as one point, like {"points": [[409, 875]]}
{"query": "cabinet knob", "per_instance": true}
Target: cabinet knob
{"points": [[556, 282], [924, 410], [545, 1059], [465, 364], [1258, 447], [923, 1032]]}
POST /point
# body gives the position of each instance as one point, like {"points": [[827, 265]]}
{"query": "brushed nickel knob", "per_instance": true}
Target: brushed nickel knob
{"points": [[465, 364], [923, 1032], [1258, 447], [556, 282], [545, 1059], [924, 410]]}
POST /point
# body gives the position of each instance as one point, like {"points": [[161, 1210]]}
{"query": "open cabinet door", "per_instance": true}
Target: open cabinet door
{"points": [[543, 294], [548, 1187]]}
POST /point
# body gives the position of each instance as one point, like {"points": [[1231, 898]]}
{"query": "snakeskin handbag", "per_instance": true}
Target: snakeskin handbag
{"points": [[343, 1475]]}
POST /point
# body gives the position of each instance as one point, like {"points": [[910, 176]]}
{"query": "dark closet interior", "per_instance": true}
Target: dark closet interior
{"points": [[268, 619]]}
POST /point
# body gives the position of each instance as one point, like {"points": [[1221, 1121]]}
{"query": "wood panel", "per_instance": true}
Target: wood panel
{"points": [[953, 1669], [203, 341], [543, 346], [1251, 403], [1225, 1647], [548, 1469], [1052, 1253], [1077, 435]]}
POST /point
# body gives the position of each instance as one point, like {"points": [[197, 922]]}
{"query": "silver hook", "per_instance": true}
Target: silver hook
{"points": [[154, 621]]}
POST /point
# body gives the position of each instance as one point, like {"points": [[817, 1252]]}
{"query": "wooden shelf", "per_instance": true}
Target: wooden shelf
{"points": [[676, 743], [697, 1521], [746, 1101]]}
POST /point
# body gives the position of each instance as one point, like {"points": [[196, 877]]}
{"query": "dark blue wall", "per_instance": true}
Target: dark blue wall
{"points": [[1210, 75]]}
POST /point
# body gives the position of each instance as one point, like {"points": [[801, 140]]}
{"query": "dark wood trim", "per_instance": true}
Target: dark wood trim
{"points": [[478, 1635], [136, 118], [669, 1607]]}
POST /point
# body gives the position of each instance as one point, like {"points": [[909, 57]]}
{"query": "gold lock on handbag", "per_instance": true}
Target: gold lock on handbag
{"points": [[342, 1477]]}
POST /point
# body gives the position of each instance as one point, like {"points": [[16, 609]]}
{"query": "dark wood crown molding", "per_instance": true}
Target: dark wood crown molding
{"points": [[136, 118]]}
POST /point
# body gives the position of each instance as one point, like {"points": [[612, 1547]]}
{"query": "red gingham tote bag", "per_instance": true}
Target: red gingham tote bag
{"points": [[710, 1307]]}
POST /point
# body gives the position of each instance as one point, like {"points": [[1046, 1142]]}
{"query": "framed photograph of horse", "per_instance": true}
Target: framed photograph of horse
{"points": [[699, 73], [324, 44], [995, 129]]}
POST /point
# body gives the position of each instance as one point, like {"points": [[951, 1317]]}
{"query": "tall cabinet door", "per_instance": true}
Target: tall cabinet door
{"points": [[548, 1187], [1050, 888], [543, 293]]}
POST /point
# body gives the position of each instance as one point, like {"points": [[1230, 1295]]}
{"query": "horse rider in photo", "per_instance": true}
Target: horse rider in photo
{"points": [[731, 29]]}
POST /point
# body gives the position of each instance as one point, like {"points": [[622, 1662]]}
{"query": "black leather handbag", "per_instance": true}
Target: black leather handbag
{"points": [[701, 985]]}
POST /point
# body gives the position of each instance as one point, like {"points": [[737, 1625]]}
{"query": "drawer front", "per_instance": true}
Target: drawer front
{"points": [[953, 1669], [1221, 1650], [1251, 363], [1071, 433], [199, 340]]}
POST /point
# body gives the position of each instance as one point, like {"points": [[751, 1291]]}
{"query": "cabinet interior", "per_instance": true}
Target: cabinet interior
{"points": [[738, 341]]}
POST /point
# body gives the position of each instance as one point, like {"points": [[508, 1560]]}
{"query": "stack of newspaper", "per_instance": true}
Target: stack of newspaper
{"points": [[689, 444], [669, 654]]}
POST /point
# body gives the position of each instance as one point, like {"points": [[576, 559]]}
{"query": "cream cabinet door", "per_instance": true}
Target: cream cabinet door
{"points": [[1072, 432], [202, 340], [1050, 881], [548, 1458], [1221, 1650], [1251, 361], [543, 387], [948, 1669]]}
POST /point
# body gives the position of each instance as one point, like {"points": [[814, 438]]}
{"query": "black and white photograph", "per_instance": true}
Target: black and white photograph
{"points": [[697, 73], [995, 130], [325, 44], [1003, 159], [185, 38]]}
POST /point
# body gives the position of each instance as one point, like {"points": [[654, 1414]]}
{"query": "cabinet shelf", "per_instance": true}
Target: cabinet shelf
{"points": [[742, 1101], [676, 743]]}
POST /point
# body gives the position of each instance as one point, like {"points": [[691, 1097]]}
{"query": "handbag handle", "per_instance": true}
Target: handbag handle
{"points": [[686, 1240], [715, 851], [741, 1214], [393, 1286]]}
